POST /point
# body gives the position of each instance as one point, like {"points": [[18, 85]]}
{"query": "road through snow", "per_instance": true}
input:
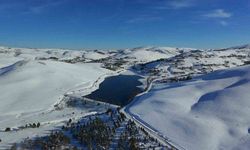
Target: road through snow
{"points": [[153, 132]]}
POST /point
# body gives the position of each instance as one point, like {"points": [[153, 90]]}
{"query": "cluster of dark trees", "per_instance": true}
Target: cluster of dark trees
{"points": [[135, 138], [7, 129], [93, 132], [55, 141], [96, 133], [176, 79], [246, 62], [114, 64], [31, 125], [128, 138], [74, 60]]}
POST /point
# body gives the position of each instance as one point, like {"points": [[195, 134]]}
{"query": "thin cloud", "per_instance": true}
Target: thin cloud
{"points": [[219, 16], [218, 13], [175, 4], [46, 5], [223, 23], [178, 4], [27, 7], [144, 18], [49, 4], [167, 4]]}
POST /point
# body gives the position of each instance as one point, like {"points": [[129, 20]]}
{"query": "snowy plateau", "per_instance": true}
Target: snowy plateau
{"points": [[193, 99]]}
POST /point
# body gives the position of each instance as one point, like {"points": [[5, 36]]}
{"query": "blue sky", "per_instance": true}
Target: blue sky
{"points": [[112, 24]]}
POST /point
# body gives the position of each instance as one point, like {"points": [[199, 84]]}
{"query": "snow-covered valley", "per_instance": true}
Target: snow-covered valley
{"points": [[186, 100]]}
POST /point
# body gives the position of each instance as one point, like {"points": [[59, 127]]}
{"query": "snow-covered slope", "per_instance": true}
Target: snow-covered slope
{"points": [[41, 84], [210, 112], [31, 87]]}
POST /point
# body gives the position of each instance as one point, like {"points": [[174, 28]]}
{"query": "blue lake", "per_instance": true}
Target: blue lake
{"points": [[118, 90]]}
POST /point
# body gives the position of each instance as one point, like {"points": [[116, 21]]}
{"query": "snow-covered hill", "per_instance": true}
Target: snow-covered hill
{"points": [[34, 81], [208, 112], [246, 46], [147, 54], [195, 62], [41, 84], [141, 54], [30, 88]]}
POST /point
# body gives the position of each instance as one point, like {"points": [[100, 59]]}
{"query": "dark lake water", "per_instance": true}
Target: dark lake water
{"points": [[118, 90]]}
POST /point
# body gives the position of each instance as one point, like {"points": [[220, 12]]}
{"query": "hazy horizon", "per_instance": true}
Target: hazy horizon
{"points": [[83, 48]]}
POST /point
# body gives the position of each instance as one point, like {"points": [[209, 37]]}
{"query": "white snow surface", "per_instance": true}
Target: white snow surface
{"points": [[30, 88], [210, 112], [37, 85]]}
